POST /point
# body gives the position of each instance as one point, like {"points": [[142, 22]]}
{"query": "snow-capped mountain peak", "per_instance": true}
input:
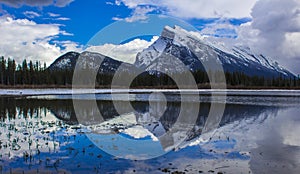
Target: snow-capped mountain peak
{"points": [[176, 47], [192, 49]]}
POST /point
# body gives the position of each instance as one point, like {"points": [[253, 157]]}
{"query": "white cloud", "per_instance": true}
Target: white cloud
{"points": [[57, 17], [23, 38], [117, 19], [109, 3], [124, 52], [62, 19], [220, 28], [18, 3], [275, 31], [31, 14], [139, 14], [291, 44], [53, 14], [62, 3], [70, 46], [66, 33], [197, 9], [118, 2]]}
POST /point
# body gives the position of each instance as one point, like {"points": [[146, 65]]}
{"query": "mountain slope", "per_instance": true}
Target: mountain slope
{"points": [[89, 60], [176, 47], [66, 61], [195, 52]]}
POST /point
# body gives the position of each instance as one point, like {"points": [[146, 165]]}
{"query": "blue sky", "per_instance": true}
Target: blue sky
{"points": [[83, 19], [86, 18], [54, 27]]}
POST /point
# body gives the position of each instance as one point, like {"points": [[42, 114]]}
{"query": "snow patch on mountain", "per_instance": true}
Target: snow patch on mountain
{"points": [[139, 132], [193, 50], [64, 63]]}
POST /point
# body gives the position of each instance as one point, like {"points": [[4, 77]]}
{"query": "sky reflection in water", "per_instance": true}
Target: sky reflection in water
{"points": [[40, 134]]}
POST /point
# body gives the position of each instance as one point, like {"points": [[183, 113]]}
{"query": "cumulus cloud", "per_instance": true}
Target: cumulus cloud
{"points": [[274, 31], [125, 52], [197, 9], [19, 3], [23, 38], [274, 28], [69, 46]]}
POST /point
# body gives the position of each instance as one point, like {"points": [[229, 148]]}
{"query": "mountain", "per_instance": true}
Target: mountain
{"points": [[176, 46], [89, 60], [66, 61], [194, 52], [114, 122]]}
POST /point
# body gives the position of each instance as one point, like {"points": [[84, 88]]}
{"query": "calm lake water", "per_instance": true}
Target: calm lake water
{"points": [[257, 134]]}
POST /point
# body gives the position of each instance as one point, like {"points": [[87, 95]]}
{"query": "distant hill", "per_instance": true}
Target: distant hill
{"points": [[89, 60], [66, 61]]}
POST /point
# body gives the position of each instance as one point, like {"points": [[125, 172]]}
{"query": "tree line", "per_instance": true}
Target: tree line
{"points": [[37, 74], [30, 73], [233, 79]]}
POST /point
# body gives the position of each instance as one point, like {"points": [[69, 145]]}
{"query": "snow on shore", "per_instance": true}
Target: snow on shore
{"points": [[29, 92]]}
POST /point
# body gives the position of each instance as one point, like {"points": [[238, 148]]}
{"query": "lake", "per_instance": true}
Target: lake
{"points": [[258, 132]]}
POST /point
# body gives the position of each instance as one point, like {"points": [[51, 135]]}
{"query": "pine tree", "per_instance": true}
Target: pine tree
{"points": [[9, 70], [31, 73], [2, 69], [24, 72], [14, 71]]}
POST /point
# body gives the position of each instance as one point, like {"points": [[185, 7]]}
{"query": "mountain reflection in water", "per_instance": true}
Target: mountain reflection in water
{"points": [[44, 134]]}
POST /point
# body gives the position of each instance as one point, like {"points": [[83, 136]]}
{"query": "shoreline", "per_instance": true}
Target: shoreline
{"points": [[84, 91], [200, 87]]}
